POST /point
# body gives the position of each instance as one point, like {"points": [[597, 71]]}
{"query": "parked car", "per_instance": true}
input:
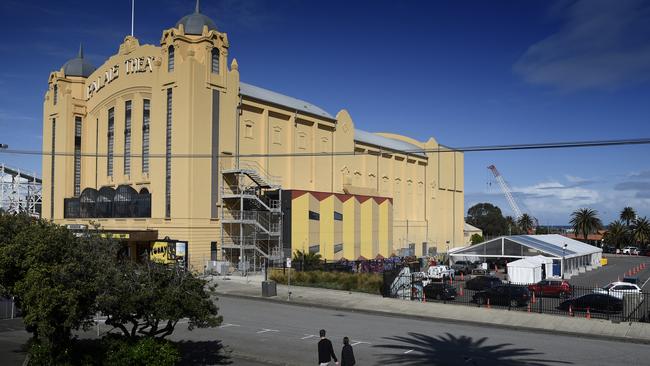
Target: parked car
{"points": [[609, 249], [481, 283], [560, 288], [631, 250], [598, 303], [440, 272], [464, 267], [618, 289], [645, 252], [510, 295], [440, 291]]}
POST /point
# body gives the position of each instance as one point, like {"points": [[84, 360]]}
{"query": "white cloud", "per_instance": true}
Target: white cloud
{"points": [[555, 197], [603, 45]]}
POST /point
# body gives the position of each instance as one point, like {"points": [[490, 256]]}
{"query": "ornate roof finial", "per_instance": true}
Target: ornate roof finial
{"points": [[81, 50], [196, 10]]}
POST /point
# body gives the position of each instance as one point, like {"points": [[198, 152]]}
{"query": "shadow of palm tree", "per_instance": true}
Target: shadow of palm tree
{"points": [[420, 349]]}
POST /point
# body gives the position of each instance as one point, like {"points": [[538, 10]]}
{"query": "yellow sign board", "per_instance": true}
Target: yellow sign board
{"points": [[114, 235]]}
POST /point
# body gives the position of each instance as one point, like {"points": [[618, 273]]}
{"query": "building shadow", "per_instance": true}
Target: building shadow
{"points": [[447, 349], [203, 353]]}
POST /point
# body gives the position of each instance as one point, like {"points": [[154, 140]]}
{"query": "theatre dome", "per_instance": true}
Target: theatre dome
{"points": [[193, 23], [78, 66]]}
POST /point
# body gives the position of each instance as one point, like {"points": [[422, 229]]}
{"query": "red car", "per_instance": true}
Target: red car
{"points": [[558, 288]]}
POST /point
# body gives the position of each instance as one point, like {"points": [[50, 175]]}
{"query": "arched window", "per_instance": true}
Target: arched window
{"points": [[123, 201], [87, 202], [104, 206], [170, 59], [215, 60]]}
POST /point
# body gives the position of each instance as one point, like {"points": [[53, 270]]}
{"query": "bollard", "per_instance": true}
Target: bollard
{"points": [[529, 307], [588, 313], [570, 310], [488, 303]]}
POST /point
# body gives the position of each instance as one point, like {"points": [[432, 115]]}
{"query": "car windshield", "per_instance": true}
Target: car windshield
{"points": [[608, 286]]}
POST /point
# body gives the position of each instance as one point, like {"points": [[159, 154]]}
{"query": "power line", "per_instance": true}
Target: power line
{"points": [[442, 149]]}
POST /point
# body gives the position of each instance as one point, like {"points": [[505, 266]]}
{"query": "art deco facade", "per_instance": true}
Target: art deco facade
{"points": [[166, 142]]}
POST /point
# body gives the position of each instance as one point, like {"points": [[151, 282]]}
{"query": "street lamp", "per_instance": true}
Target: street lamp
{"points": [[563, 251]]}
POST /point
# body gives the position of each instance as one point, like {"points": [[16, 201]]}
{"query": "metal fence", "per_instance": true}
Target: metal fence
{"points": [[617, 308], [8, 309]]}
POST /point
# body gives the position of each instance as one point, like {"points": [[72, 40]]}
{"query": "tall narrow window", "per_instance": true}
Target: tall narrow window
{"points": [[109, 137], [77, 156], [127, 138], [145, 136], [52, 168], [55, 93], [215, 60], [168, 152], [170, 59]]}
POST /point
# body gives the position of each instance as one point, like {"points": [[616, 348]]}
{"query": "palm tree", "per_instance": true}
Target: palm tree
{"points": [[526, 223], [511, 225], [628, 215], [641, 230], [585, 221], [309, 260], [616, 234]]}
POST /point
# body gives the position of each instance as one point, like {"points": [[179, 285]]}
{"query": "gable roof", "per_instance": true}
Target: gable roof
{"points": [[387, 142], [280, 99]]}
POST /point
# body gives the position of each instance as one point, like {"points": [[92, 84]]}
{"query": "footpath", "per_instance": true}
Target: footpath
{"points": [[251, 288]]}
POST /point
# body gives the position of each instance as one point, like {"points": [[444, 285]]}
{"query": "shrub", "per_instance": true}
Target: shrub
{"points": [[143, 352], [361, 282]]}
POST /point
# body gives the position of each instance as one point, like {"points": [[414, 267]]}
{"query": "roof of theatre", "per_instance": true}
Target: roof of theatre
{"points": [[551, 244], [300, 105]]}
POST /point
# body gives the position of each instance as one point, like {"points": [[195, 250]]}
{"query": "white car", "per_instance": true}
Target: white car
{"points": [[631, 250], [618, 289]]}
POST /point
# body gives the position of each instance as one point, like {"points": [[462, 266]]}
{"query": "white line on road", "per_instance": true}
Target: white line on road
{"points": [[307, 336], [409, 351], [646, 281], [358, 342], [228, 325], [264, 330]]}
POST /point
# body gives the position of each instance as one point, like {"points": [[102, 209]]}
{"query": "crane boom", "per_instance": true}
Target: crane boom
{"points": [[506, 191]]}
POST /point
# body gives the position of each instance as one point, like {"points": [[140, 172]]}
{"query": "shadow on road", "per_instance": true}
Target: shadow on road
{"points": [[420, 349], [203, 353]]}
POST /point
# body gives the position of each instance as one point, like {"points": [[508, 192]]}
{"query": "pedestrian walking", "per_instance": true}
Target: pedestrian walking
{"points": [[325, 351], [347, 354]]}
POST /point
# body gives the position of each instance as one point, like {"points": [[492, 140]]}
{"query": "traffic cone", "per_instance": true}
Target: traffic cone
{"points": [[424, 296], [529, 307], [461, 290], [570, 310], [588, 313]]}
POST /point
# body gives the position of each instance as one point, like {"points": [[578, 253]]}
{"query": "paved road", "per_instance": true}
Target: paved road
{"points": [[616, 268], [282, 333]]}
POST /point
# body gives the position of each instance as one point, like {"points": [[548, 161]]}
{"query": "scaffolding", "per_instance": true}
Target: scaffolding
{"points": [[251, 217], [20, 192]]}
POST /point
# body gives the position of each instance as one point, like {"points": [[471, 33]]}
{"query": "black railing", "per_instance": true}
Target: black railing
{"points": [[617, 307]]}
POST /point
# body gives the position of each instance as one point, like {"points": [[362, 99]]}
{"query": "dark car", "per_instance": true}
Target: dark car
{"points": [[598, 303], [509, 295], [480, 283], [463, 267], [440, 291], [558, 288], [609, 249]]}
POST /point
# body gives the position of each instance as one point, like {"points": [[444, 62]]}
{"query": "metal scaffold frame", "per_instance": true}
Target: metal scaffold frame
{"points": [[20, 192], [251, 216]]}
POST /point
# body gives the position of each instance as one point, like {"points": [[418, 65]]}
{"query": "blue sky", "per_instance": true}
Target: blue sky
{"points": [[465, 72]]}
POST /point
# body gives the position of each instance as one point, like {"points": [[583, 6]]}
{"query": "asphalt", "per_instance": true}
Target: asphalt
{"points": [[285, 334], [616, 269]]}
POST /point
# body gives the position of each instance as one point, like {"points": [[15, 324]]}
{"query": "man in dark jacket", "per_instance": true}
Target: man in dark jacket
{"points": [[347, 355], [325, 350]]}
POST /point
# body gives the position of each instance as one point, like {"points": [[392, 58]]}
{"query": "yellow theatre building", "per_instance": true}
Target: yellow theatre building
{"points": [[165, 142]]}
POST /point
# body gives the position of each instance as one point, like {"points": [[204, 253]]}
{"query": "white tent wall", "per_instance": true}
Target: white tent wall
{"points": [[524, 271], [543, 261]]}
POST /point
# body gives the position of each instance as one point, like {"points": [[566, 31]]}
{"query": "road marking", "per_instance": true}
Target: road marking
{"points": [[409, 351], [646, 281], [358, 342], [307, 336], [264, 330], [228, 325]]}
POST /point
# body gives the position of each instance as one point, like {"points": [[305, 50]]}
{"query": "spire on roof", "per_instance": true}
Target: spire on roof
{"points": [[81, 50], [196, 9]]}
